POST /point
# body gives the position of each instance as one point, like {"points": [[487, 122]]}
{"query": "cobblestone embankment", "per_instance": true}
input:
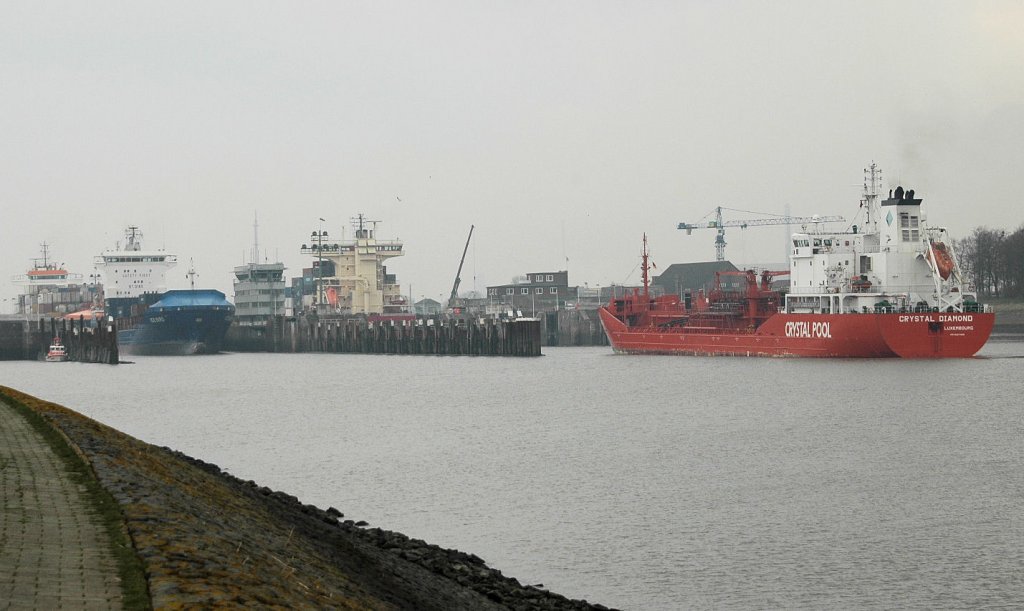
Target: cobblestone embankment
{"points": [[207, 538], [55, 550]]}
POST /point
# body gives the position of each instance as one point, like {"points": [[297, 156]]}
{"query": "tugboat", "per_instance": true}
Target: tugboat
{"points": [[890, 288], [57, 352]]}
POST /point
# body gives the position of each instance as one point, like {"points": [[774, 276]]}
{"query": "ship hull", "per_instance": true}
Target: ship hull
{"points": [[177, 333], [874, 335], [181, 323]]}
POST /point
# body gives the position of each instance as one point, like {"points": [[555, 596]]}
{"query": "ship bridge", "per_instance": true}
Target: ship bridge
{"points": [[895, 261], [359, 282], [130, 272]]}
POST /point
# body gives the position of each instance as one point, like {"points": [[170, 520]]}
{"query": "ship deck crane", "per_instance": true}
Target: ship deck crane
{"points": [[458, 275], [720, 225]]}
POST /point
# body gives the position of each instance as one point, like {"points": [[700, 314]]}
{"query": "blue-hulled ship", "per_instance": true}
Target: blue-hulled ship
{"points": [[150, 319]]}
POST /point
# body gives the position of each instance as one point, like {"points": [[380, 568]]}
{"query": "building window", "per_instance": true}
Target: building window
{"points": [[553, 290], [509, 291], [538, 278], [550, 278], [540, 290], [524, 291]]}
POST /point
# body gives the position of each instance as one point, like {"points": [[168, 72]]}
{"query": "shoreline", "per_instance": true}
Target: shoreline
{"points": [[205, 537]]}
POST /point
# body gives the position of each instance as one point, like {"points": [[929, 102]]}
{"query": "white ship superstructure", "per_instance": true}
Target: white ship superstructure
{"points": [[893, 261], [131, 272], [45, 274]]}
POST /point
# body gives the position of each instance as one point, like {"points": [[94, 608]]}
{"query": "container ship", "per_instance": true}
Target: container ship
{"points": [[889, 288], [150, 319], [49, 289]]}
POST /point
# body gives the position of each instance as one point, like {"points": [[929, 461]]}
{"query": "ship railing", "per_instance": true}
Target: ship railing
{"points": [[986, 308]]}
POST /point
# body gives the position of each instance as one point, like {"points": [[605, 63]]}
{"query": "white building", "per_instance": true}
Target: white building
{"points": [[259, 292]]}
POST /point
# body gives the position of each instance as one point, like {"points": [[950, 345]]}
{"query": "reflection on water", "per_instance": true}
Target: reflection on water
{"points": [[639, 482]]}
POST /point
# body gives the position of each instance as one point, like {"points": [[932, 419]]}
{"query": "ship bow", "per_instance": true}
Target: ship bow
{"points": [[613, 327]]}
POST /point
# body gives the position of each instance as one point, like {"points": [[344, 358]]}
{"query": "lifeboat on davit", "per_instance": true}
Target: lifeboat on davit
{"points": [[943, 261]]}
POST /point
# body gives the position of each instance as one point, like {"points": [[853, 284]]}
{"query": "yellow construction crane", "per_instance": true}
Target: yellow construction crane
{"points": [[720, 225]]}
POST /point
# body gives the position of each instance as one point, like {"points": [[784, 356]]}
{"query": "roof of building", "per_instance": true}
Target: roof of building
{"points": [[680, 277]]}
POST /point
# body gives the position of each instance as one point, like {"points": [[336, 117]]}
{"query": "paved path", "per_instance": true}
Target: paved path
{"points": [[54, 553]]}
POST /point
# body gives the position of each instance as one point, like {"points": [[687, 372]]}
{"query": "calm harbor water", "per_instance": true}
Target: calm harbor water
{"points": [[636, 482]]}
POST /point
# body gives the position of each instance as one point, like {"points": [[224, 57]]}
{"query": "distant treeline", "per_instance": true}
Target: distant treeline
{"points": [[993, 261]]}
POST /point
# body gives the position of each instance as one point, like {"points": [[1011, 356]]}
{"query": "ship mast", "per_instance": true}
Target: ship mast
{"points": [[134, 237], [644, 269], [45, 249], [191, 275], [872, 178]]}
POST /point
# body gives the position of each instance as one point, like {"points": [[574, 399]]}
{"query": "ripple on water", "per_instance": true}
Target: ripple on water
{"points": [[639, 482]]}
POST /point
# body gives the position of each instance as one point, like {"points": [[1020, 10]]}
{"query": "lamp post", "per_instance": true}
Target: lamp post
{"points": [[319, 237], [94, 280]]}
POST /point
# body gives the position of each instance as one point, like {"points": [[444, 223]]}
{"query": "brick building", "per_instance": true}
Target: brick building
{"points": [[532, 293]]}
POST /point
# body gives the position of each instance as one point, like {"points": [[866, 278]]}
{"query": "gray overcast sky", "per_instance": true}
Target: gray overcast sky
{"points": [[560, 129]]}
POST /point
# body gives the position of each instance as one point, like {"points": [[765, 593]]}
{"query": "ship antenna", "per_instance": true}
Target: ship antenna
{"points": [[255, 257]]}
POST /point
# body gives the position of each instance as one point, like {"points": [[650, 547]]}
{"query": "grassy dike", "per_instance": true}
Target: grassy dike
{"points": [[189, 535]]}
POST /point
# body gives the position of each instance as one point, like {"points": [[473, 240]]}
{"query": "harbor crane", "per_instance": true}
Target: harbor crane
{"points": [[720, 225], [458, 275]]}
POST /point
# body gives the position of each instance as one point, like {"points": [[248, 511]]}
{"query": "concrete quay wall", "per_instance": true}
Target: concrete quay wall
{"points": [[15, 339], [206, 538]]}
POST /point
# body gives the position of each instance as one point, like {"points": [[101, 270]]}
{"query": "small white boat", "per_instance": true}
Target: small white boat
{"points": [[57, 352]]}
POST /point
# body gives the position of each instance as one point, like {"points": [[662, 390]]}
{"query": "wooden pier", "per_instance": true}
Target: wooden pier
{"points": [[88, 344], [16, 339], [436, 335], [25, 339]]}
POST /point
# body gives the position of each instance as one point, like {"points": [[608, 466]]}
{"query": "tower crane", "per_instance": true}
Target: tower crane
{"points": [[720, 225]]}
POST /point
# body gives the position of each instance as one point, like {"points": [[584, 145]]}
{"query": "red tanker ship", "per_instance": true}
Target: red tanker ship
{"points": [[891, 288]]}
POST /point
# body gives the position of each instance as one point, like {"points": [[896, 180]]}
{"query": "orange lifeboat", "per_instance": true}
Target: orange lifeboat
{"points": [[943, 260]]}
